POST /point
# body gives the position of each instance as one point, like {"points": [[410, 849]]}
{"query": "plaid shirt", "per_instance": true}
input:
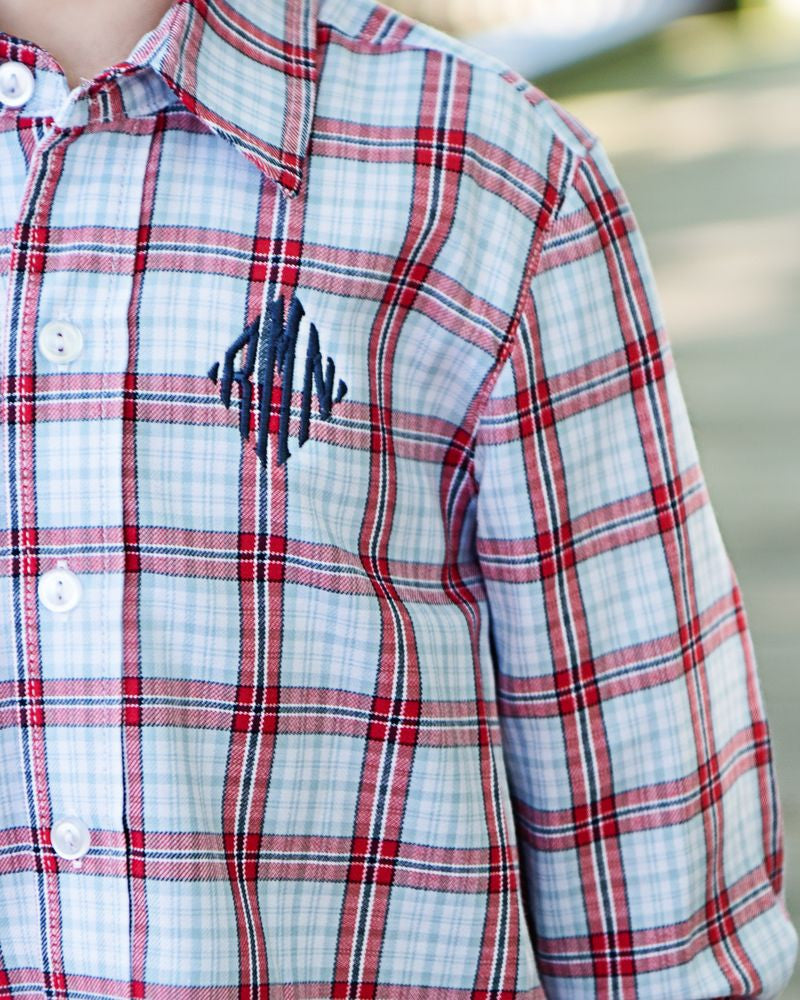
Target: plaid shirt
{"points": [[366, 629]]}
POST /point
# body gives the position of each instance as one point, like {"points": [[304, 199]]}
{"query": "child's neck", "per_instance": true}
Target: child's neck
{"points": [[84, 36]]}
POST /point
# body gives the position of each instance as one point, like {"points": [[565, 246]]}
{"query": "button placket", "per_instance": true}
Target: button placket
{"points": [[44, 590], [54, 600]]}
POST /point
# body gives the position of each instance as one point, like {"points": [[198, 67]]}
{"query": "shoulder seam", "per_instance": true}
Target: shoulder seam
{"points": [[483, 63], [525, 294], [573, 161], [532, 264]]}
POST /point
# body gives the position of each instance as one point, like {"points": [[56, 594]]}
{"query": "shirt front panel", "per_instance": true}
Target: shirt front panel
{"points": [[267, 705]]}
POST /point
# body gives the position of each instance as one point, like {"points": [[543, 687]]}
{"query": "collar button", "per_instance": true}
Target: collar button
{"points": [[16, 83]]}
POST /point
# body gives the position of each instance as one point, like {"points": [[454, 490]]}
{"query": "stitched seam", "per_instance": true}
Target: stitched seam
{"points": [[487, 65], [524, 297]]}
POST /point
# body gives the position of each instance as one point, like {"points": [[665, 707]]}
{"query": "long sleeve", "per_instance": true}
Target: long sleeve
{"points": [[634, 734]]}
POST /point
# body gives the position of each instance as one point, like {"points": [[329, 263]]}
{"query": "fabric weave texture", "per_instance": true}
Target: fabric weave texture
{"points": [[409, 661]]}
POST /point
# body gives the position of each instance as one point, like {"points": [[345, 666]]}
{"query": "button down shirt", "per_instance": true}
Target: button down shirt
{"points": [[366, 628]]}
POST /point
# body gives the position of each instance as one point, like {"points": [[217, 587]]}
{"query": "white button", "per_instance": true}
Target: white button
{"points": [[60, 340], [70, 837], [16, 83], [59, 588]]}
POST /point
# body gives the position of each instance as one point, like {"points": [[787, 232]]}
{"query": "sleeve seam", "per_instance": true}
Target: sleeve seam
{"points": [[525, 294]]}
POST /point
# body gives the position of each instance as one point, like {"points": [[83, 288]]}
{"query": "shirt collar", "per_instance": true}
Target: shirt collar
{"points": [[247, 68]]}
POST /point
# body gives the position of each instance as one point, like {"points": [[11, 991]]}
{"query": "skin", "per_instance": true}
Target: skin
{"points": [[83, 36]]}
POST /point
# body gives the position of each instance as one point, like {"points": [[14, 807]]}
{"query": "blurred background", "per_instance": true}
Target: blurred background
{"points": [[698, 105]]}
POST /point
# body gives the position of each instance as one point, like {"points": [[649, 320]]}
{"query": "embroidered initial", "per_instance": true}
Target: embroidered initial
{"points": [[278, 350]]}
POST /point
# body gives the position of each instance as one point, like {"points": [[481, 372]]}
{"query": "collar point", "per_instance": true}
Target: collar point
{"points": [[289, 179]]}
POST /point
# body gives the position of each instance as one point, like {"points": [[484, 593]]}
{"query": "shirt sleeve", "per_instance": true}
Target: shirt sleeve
{"points": [[646, 812]]}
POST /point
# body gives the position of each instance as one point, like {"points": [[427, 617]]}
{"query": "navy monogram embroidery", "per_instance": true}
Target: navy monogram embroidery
{"points": [[278, 349]]}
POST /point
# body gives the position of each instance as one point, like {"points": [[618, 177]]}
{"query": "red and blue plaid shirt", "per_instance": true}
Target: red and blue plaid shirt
{"points": [[366, 628]]}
